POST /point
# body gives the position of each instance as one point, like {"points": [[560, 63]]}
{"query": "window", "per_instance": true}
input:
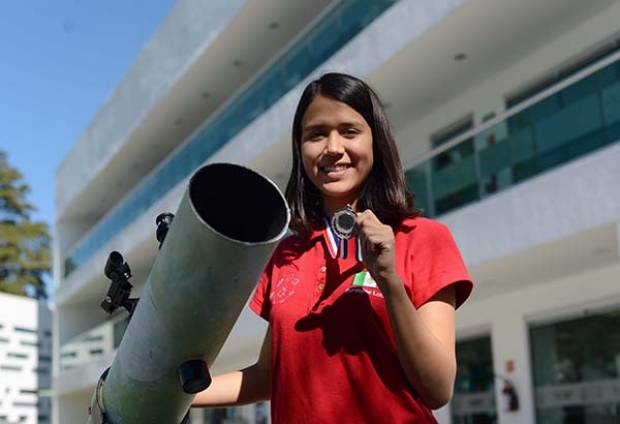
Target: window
{"points": [[474, 387], [454, 177], [25, 330], [576, 367], [24, 404], [449, 132], [10, 368], [262, 413]]}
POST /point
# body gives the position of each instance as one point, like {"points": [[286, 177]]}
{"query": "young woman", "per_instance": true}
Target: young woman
{"points": [[360, 330]]}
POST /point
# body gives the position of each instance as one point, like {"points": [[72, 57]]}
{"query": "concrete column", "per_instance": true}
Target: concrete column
{"points": [[510, 342]]}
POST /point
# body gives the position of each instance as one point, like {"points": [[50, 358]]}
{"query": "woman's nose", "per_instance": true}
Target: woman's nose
{"points": [[334, 144]]}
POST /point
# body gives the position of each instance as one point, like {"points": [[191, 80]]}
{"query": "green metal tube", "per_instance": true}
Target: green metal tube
{"points": [[223, 234]]}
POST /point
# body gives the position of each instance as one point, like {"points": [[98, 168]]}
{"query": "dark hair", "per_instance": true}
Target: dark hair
{"points": [[384, 191]]}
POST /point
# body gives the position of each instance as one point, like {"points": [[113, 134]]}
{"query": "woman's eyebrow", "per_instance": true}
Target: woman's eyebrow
{"points": [[351, 124], [323, 126], [314, 127]]}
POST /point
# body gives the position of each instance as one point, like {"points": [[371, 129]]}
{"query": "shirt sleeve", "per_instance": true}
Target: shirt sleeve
{"points": [[260, 302], [436, 263]]}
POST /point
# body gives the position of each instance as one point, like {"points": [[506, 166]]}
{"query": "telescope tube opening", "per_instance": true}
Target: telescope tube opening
{"points": [[238, 203]]}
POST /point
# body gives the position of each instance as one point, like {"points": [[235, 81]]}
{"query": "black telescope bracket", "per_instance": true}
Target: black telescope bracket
{"points": [[119, 272]]}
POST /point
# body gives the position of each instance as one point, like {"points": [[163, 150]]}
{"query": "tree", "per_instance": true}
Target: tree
{"points": [[24, 245]]}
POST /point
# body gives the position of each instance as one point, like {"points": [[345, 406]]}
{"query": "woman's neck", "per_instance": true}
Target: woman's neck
{"points": [[332, 205]]}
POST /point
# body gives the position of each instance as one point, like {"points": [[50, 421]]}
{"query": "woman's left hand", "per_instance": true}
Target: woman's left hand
{"points": [[378, 246]]}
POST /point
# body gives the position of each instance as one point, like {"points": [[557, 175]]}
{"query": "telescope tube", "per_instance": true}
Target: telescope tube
{"points": [[221, 238]]}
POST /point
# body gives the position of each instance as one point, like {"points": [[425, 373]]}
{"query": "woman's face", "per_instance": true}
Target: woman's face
{"points": [[336, 150]]}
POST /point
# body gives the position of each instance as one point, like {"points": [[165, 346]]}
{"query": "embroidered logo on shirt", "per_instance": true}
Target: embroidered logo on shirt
{"points": [[284, 288], [364, 283], [363, 279]]}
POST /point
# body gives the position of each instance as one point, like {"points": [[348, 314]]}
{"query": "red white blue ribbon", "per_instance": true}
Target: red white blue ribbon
{"points": [[338, 247]]}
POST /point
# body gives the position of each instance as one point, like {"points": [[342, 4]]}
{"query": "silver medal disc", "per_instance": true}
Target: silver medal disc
{"points": [[343, 222]]}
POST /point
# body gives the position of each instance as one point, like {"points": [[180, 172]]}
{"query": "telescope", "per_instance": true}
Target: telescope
{"points": [[212, 252]]}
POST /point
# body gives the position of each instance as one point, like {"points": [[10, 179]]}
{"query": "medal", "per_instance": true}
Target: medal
{"points": [[343, 222]]}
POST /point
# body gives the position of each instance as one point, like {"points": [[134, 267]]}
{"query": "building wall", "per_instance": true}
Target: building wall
{"points": [[25, 360], [506, 317]]}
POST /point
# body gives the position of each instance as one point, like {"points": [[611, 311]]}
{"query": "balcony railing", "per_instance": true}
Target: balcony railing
{"points": [[577, 118], [94, 344], [345, 21]]}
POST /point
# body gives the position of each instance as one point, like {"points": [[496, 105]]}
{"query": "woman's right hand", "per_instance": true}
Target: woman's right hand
{"points": [[249, 385]]}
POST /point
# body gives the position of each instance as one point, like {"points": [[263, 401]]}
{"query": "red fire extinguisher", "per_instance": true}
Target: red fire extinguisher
{"points": [[510, 400]]}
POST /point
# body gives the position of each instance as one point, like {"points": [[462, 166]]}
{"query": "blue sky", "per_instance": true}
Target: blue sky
{"points": [[59, 61]]}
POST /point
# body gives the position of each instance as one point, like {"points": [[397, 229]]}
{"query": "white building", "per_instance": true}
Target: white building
{"points": [[25, 360], [507, 116]]}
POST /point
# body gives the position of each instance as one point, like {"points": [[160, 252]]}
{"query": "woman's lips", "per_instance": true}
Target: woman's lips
{"points": [[334, 171]]}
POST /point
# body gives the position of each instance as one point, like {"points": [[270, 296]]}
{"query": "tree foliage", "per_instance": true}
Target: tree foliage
{"points": [[24, 245]]}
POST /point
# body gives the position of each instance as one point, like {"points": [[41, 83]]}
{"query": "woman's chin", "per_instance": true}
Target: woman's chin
{"points": [[337, 191]]}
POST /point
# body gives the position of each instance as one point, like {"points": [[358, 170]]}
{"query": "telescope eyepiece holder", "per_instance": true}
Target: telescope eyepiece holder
{"points": [[163, 222], [119, 273]]}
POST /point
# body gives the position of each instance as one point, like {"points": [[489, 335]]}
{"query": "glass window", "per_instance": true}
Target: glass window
{"points": [[454, 178], [417, 182], [25, 330], [262, 413], [474, 388], [576, 367]]}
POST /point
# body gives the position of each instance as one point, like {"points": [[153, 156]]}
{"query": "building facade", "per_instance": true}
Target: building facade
{"points": [[507, 117], [25, 360]]}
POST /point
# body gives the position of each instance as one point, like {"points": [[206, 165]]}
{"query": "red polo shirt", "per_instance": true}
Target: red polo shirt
{"points": [[334, 355]]}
